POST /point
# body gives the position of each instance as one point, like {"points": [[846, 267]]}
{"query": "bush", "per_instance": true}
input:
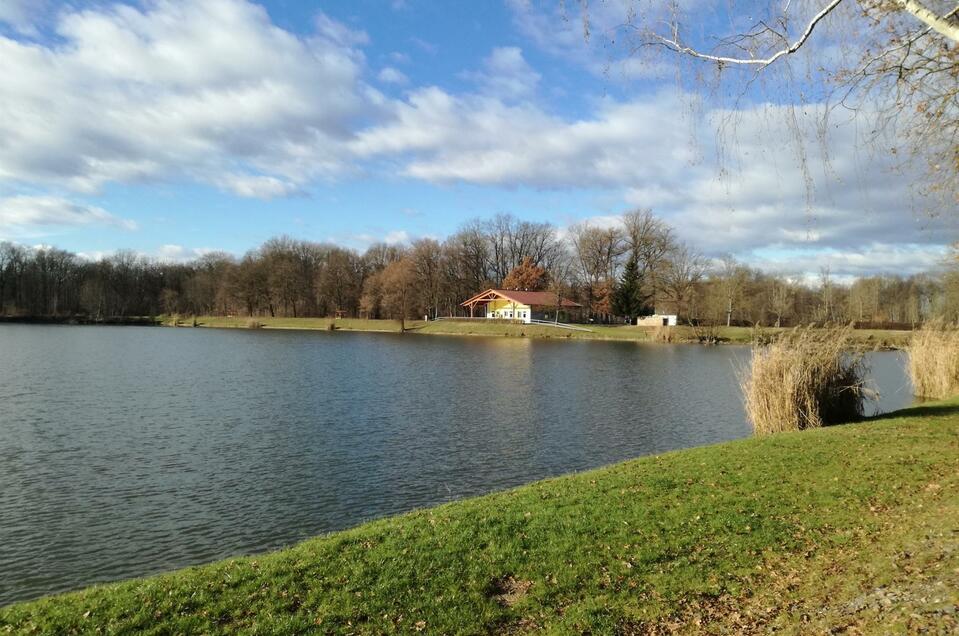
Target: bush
{"points": [[254, 324], [807, 378], [706, 332], [934, 360]]}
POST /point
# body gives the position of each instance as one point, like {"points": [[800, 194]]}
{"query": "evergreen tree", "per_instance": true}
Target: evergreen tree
{"points": [[629, 298]]}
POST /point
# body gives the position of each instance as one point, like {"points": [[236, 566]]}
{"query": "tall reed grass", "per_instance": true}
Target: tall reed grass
{"points": [[662, 334], [934, 360], [807, 378]]}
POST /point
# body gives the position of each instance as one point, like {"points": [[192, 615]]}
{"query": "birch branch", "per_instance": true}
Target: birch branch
{"points": [[792, 48], [940, 24]]}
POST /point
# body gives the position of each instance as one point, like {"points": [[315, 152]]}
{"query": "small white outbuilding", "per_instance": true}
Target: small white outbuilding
{"points": [[657, 320]]}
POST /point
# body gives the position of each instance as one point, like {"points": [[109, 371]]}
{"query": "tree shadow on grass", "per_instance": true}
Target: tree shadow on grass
{"points": [[930, 409]]}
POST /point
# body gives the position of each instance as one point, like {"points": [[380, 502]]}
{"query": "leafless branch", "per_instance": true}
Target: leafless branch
{"points": [[675, 44]]}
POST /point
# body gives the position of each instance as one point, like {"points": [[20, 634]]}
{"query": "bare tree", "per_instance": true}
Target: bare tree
{"points": [[894, 62], [683, 270], [426, 257], [826, 293], [732, 277], [7, 251], [782, 297], [649, 239], [339, 281], [399, 288], [598, 254], [511, 240]]}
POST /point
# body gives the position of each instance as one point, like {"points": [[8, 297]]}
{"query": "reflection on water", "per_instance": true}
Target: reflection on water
{"points": [[127, 451]]}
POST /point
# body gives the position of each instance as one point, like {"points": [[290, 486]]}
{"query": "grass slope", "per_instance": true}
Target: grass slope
{"points": [[839, 528], [869, 338]]}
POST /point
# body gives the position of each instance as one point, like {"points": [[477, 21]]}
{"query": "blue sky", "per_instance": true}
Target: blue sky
{"points": [[177, 126]]}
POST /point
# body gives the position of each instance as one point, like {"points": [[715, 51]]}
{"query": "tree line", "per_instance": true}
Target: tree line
{"points": [[628, 267]]}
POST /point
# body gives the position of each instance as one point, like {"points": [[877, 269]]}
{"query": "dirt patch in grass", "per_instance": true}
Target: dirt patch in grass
{"points": [[508, 590]]}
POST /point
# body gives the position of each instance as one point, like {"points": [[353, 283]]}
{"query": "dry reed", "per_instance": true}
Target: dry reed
{"points": [[807, 378], [934, 360], [662, 334]]}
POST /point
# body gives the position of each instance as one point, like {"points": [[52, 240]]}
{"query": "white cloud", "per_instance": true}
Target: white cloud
{"points": [[780, 189], [179, 254], [257, 186], [396, 237], [594, 40], [506, 75], [169, 253], [20, 14], [848, 263], [425, 45], [364, 240], [340, 33], [400, 58], [21, 213], [485, 140], [180, 90], [214, 92], [390, 75]]}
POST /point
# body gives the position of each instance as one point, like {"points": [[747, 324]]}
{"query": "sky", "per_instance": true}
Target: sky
{"points": [[179, 127]]}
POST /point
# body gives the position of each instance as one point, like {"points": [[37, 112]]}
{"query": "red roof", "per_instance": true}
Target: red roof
{"points": [[531, 298]]}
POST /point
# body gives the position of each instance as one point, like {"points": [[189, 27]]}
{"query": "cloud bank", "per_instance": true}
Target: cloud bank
{"points": [[213, 92]]}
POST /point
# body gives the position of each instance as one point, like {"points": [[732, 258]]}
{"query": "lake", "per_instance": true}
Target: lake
{"points": [[126, 451]]}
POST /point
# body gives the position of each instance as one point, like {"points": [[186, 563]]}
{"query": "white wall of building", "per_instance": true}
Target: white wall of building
{"points": [[657, 320]]}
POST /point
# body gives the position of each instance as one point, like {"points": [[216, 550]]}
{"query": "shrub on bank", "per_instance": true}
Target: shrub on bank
{"points": [[934, 360], [807, 378]]}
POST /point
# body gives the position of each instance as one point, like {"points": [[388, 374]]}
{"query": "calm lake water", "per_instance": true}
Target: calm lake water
{"points": [[127, 451]]}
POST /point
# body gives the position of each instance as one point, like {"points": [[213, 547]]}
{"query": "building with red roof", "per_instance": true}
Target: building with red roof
{"points": [[523, 306]]}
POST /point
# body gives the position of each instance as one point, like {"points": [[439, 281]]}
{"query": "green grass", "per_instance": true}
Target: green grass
{"points": [[312, 324], [870, 338], [807, 532]]}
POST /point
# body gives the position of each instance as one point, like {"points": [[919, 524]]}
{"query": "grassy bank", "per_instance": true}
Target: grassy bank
{"points": [[836, 528], [868, 338]]}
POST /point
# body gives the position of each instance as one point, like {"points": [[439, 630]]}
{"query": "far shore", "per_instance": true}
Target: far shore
{"points": [[869, 338], [876, 339]]}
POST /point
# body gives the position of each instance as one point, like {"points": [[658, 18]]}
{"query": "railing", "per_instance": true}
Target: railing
{"points": [[515, 321], [561, 325]]}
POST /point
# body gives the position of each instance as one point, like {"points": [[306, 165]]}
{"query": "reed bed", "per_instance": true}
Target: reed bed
{"points": [[663, 334], [934, 360], [806, 378]]}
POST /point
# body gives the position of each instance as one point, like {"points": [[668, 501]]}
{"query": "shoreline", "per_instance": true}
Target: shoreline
{"points": [[742, 534], [870, 339]]}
